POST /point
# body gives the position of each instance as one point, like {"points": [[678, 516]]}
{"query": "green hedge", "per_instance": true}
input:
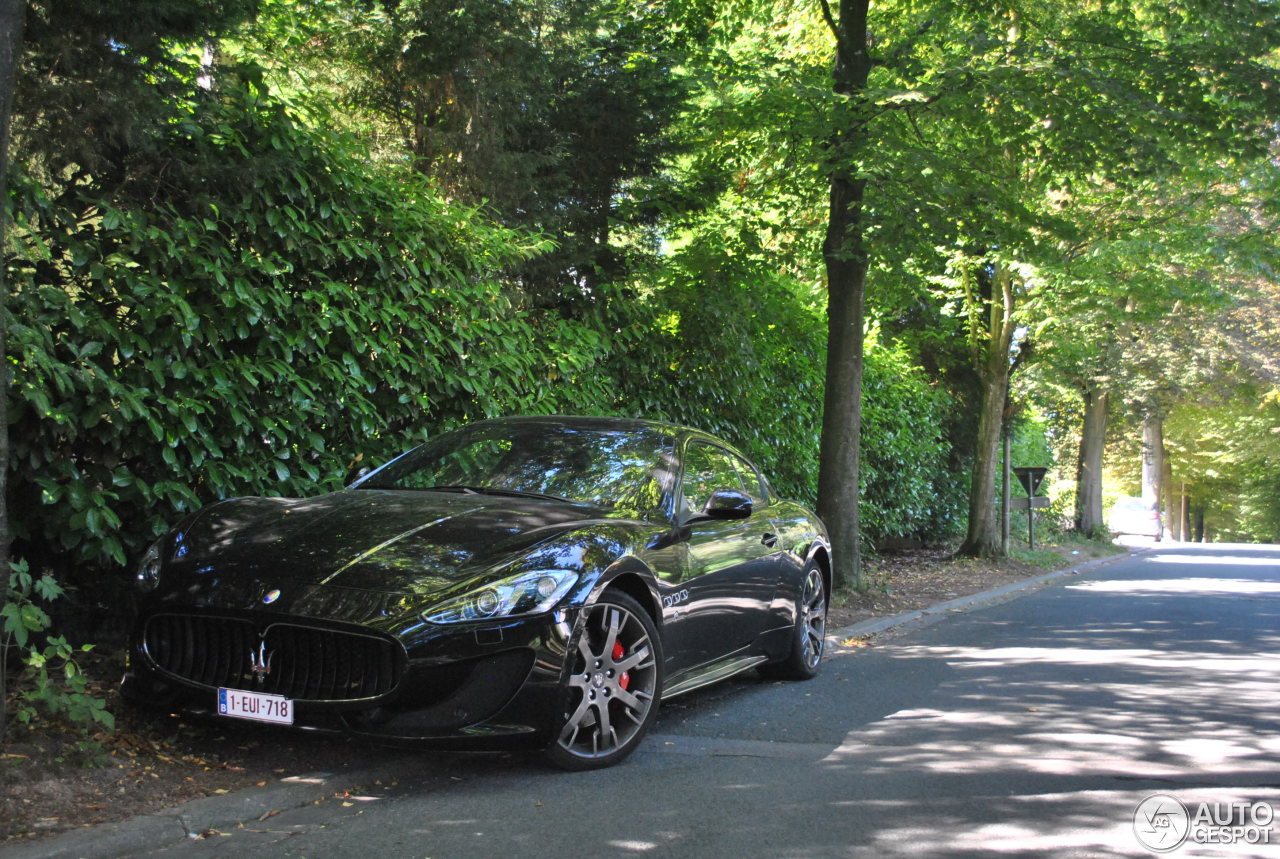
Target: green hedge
{"points": [[261, 305], [908, 487], [243, 319], [731, 348]]}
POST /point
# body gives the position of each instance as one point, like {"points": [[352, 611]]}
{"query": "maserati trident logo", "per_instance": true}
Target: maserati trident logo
{"points": [[260, 663]]}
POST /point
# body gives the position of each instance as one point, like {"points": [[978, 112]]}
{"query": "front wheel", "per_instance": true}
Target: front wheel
{"points": [[809, 637], [610, 693]]}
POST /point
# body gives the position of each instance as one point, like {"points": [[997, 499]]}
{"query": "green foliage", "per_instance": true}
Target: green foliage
{"points": [[96, 80], [210, 296], [1225, 452], [908, 487], [50, 680], [727, 348], [246, 320], [555, 117], [732, 349], [1029, 442]]}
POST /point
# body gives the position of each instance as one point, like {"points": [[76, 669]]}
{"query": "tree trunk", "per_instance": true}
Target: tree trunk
{"points": [[983, 539], [839, 465], [1184, 515], [11, 25], [1153, 462], [845, 256], [1006, 484], [1089, 467]]}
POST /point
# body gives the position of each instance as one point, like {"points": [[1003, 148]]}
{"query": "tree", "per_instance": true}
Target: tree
{"points": [[846, 256], [11, 27], [97, 79], [554, 116], [1036, 168], [1221, 442], [1006, 117], [1194, 372]]}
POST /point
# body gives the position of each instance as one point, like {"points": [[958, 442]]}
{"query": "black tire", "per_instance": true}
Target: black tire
{"points": [[809, 636], [610, 692]]}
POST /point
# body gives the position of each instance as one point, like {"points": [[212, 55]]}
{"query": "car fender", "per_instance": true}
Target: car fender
{"points": [[633, 577]]}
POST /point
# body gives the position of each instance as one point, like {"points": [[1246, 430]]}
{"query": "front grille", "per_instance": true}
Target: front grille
{"points": [[306, 663]]}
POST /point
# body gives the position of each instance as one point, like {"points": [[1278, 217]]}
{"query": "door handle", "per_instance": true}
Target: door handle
{"points": [[769, 540]]}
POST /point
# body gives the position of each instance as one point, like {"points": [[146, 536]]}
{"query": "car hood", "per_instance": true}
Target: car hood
{"points": [[411, 542]]}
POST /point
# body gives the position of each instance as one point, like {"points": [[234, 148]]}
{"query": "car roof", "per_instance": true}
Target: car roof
{"points": [[609, 424]]}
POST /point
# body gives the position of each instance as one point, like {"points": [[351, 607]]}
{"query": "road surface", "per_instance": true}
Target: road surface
{"points": [[1034, 727]]}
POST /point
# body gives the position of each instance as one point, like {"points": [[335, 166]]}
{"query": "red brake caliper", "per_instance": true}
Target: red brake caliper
{"points": [[618, 652]]}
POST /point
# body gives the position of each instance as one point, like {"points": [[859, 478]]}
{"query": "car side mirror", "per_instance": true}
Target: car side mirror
{"points": [[728, 504]]}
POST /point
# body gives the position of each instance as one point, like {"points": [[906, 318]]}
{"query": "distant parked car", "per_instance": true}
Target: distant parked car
{"points": [[1134, 516]]}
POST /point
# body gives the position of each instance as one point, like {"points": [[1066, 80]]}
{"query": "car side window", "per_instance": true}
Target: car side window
{"points": [[706, 469]]}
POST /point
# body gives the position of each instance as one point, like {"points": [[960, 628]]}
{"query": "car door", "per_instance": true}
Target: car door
{"points": [[716, 602]]}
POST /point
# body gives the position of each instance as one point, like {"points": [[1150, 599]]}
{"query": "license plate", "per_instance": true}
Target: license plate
{"points": [[240, 704]]}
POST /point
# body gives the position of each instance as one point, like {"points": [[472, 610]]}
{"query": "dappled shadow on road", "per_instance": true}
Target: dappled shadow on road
{"points": [[1040, 739], [1050, 743]]}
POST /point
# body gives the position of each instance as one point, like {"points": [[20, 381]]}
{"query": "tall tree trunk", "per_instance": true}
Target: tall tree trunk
{"points": [[1153, 462], [11, 25], [1089, 466], [1006, 483], [983, 539], [1184, 514], [1173, 508], [1168, 494], [845, 255]]}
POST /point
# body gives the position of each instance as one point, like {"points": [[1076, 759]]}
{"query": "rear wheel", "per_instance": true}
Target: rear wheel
{"points": [[810, 634], [610, 694]]}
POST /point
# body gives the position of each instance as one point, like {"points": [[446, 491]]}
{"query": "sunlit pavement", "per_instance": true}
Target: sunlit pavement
{"points": [[1029, 728], [1166, 682]]}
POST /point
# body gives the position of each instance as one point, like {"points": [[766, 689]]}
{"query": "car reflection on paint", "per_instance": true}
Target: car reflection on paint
{"points": [[539, 582]]}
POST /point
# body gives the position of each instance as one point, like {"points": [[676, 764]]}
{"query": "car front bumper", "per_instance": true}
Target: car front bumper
{"points": [[490, 685]]}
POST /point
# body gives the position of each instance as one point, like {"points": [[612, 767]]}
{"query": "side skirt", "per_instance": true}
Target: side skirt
{"points": [[712, 672]]}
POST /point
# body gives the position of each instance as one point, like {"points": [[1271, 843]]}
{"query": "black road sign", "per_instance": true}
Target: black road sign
{"points": [[1030, 477]]}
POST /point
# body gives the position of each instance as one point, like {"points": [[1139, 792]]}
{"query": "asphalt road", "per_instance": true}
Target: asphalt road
{"points": [[1033, 727]]}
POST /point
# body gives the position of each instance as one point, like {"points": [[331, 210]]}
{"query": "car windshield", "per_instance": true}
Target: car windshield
{"points": [[614, 470]]}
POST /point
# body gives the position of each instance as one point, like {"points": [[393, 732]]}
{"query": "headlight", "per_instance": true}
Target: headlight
{"points": [[148, 576], [526, 593]]}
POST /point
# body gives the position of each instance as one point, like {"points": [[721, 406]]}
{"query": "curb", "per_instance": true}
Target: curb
{"points": [[192, 819], [187, 821], [878, 625]]}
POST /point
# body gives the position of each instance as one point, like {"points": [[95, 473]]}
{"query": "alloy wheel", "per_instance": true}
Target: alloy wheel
{"points": [[612, 689], [813, 619]]}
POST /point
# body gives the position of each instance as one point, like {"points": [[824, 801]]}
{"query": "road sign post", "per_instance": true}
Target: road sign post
{"points": [[1030, 478]]}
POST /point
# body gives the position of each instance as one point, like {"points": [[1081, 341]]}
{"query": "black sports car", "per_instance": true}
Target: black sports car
{"points": [[537, 581]]}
